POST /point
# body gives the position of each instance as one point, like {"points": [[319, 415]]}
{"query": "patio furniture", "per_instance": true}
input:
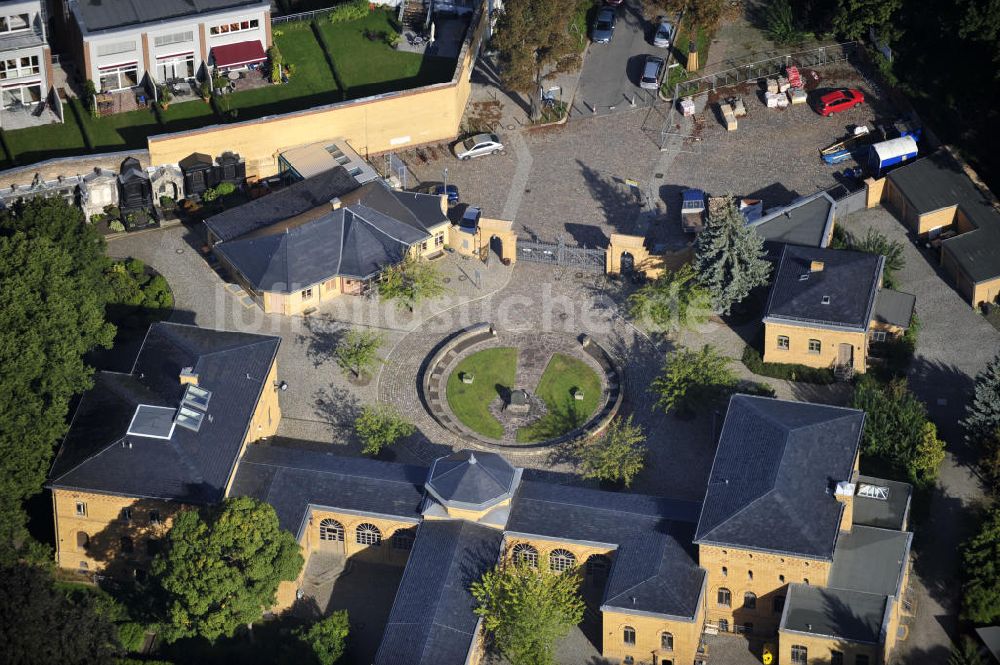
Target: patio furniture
{"points": [[233, 75]]}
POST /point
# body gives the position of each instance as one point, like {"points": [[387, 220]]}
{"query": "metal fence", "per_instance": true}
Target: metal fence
{"points": [[308, 16], [559, 253]]}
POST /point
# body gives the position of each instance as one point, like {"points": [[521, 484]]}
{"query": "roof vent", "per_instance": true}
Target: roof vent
{"points": [[816, 266], [472, 458], [803, 277], [844, 488], [826, 300], [189, 376], [336, 203]]}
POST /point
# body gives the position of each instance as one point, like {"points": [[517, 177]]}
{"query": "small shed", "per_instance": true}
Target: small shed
{"points": [[199, 173], [890, 153]]}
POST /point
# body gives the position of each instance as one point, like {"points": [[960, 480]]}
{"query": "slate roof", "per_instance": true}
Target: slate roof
{"points": [[294, 200], [850, 280], [936, 182], [655, 563], [110, 14], [472, 480], [888, 514], [421, 211], [839, 613], [894, 307], [807, 221], [774, 469], [292, 479], [355, 242], [870, 559], [432, 621], [192, 467]]}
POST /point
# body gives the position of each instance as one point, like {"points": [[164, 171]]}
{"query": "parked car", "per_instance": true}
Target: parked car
{"points": [[840, 100], [478, 145], [664, 34], [652, 72], [470, 219], [450, 190], [604, 26]]}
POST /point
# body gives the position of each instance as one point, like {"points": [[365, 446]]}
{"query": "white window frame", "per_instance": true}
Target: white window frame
{"points": [[175, 62], [561, 560], [81, 509], [5, 25], [159, 41], [22, 94], [879, 335], [819, 346], [118, 71], [784, 343], [19, 69]]}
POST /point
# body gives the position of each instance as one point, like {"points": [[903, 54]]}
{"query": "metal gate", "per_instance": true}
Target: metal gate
{"points": [[561, 254]]}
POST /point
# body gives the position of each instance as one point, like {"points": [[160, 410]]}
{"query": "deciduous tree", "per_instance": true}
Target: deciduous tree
{"points": [[729, 256], [411, 282], [357, 353], [981, 593], [379, 427], [616, 456], [527, 611], [327, 638], [874, 242], [672, 302], [965, 652], [694, 379], [222, 566], [854, 18]]}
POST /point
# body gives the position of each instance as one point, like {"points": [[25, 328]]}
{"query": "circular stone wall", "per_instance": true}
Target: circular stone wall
{"points": [[551, 367]]}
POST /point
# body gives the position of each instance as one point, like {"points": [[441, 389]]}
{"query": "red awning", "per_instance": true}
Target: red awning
{"points": [[240, 53]]}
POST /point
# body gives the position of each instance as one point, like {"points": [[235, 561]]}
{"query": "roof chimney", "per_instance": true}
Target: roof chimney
{"points": [[844, 493], [815, 266], [335, 203], [188, 375]]}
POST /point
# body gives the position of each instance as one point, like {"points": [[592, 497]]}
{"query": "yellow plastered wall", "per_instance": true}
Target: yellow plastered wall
{"points": [[935, 220], [546, 546], [874, 190], [392, 121], [985, 292], [478, 244], [798, 351], [820, 649], [103, 524], [649, 638], [729, 568]]}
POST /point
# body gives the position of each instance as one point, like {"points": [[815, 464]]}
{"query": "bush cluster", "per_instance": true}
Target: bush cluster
{"points": [[791, 372], [349, 11]]}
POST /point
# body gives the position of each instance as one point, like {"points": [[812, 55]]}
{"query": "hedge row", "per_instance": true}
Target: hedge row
{"points": [[801, 373]]}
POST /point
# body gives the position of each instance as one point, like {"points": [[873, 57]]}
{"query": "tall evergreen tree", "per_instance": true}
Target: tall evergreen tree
{"points": [[729, 256], [981, 594], [982, 415]]}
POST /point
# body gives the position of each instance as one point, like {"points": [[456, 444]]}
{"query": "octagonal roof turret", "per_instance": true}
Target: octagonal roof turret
{"points": [[471, 480]]}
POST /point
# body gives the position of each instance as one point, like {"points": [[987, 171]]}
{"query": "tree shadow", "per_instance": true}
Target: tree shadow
{"points": [[946, 390], [338, 407], [618, 203], [321, 339], [774, 195]]}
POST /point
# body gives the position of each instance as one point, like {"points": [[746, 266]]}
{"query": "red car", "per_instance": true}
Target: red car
{"points": [[840, 100]]}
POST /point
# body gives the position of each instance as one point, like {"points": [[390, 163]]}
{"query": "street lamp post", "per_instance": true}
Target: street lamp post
{"points": [[446, 182]]}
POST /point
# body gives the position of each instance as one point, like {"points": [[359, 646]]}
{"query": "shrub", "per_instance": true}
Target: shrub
{"points": [[131, 635], [380, 427], [791, 372], [225, 188], [692, 380], [90, 97], [781, 24], [349, 11], [116, 226], [205, 90], [98, 218], [167, 202]]}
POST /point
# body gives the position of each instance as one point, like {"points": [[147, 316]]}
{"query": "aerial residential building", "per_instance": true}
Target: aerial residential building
{"points": [[122, 44], [25, 62]]}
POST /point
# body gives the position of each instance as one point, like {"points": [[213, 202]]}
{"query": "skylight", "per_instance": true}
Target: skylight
{"points": [[803, 277], [826, 300], [155, 422], [189, 418], [873, 492], [196, 397]]}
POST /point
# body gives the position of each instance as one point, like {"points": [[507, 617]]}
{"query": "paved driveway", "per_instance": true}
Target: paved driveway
{"points": [[610, 76]]}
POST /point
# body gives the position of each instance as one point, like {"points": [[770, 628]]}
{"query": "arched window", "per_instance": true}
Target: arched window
{"points": [[628, 636], [750, 575], [597, 569], [403, 539], [749, 601], [779, 604], [667, 641], [725, 597], [331, 529], [368, 534], [560, 560], [82, 540], [800, 654], [725, 572], [526, 554]]}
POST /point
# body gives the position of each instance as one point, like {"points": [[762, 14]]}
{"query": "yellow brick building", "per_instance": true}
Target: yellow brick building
{"points": [[827, 307]]}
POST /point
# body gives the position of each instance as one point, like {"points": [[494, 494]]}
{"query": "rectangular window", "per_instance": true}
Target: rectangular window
{"points": [[628, 636], [836, 658], [12, 68], [126, 514], [800, 654], [121, 77], [21, 95], [115, 48], [307, 294], [242, 26], [81, 509], [174, 38], [15, 23], [779, 604], [154, 517], [783, 342], [878, 335], [815, 346], [439, 240], [175, 67]]}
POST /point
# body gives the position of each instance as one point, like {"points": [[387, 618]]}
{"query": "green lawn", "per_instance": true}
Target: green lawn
{"points": [[38, 143], [492, 369], [369, 67], [561, 376], [311, 84]]}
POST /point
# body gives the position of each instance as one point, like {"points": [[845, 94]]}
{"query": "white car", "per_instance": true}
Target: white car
{"points": [[478, 145], [664, 34]]}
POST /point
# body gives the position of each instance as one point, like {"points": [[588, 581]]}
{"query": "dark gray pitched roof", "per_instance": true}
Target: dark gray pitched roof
{"points": [[936, 182], [294, 200], [894, 307], [870, 559], [849, 279], [655, 572], [190, 466], [771, 481], [472, 480], [292, 479], [355, 242], [421, 211], [848, 615], [109, 14], [432, 621], [806, 221], [887, 514]]}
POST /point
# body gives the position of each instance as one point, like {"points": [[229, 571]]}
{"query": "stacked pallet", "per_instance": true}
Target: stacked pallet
{"points": [[794, 77], [687, 106], [728, 117], [797, 96]]}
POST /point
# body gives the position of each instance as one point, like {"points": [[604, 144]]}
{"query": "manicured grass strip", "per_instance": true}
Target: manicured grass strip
{"points": [[561, 376], [470, 401], [311, 83], [368, 67], [46, 142]]}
